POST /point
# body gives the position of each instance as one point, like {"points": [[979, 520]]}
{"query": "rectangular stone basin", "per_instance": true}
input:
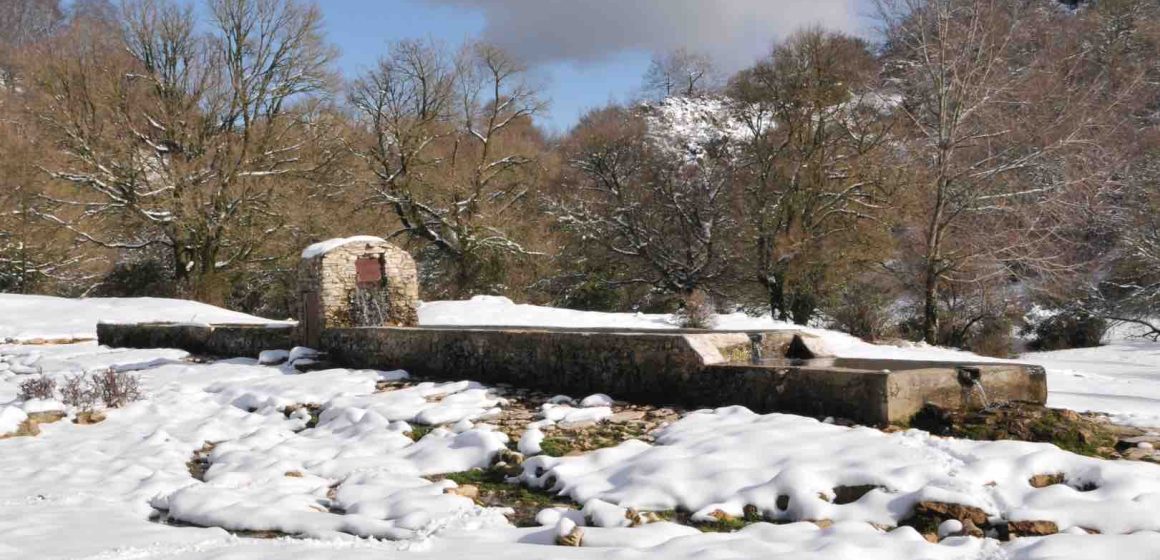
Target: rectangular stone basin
{"points": [[877, 391], [664, 367]]}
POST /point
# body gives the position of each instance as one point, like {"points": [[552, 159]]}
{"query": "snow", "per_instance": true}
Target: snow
{"points": [[597, 399], [949, 527], [51, 318], [323, 247], [686, 126], [273, 357], [11, 417], [530, 441], [1121, 379], [346, 477], [567, 415], [706, 462], [501, 311]]}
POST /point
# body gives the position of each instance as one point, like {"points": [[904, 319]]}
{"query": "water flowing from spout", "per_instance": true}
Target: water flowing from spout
{"points": [[977, 387]]}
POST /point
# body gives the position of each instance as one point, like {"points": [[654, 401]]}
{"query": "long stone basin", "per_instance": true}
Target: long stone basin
{"points": [[793, 372]]}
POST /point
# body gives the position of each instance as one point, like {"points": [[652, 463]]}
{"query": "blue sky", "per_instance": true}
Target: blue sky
{"points": [[586, 52], [362, 29]]}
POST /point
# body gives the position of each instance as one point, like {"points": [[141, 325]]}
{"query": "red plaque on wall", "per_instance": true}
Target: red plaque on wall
{"points": [[368, 270]]}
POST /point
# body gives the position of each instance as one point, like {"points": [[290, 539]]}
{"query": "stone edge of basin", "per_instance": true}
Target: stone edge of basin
{"points": [[664, 367]]}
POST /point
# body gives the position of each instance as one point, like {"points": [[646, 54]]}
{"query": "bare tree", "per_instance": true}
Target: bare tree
{"points": [[179, 139], [978, 149], [25, 21], [1125, 217], [1124, 287], [452, 150], [813, 122], [668, 217], [103, 11], [679, 73], [1137, 282], [32, 255]]}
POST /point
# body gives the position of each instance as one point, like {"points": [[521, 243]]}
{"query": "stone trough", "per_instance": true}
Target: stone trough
{"points": [[690, 368], [767, 371]]}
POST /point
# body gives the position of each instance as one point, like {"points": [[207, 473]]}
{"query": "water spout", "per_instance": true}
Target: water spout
{"points": [[970, 378], [755, 340]]}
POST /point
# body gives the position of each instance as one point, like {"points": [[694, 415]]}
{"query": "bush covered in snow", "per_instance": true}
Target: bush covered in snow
{"points": [[1069, 329], [78, 393], [116, 388], [41, 387]]}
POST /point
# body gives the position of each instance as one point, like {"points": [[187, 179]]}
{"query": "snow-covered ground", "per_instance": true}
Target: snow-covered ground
{"points": [[355, 485], [51, 318], [1120, 378]]}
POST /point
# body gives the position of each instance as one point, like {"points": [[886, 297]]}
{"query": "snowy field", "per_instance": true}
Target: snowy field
{"points": [[24, 318], [353, 484], [1121, 378]]}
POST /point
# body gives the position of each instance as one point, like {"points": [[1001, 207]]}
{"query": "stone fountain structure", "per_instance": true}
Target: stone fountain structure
{"points": [[359, 306]]}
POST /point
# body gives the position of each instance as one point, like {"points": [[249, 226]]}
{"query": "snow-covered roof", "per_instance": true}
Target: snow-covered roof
{"points": [[324, 247]]}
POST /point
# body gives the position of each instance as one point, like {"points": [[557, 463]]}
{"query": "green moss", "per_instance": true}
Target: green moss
{"points": [[556, 446], [495, 491], [722, 525], [1071, 437], [1023, 422], [600, 436], [925, 525], [417, 432], [739, 353], [727, 525], [478, 477]]}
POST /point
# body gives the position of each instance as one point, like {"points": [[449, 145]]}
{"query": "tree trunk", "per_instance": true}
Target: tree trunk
{"points": [[182, 280], [775, 289], [930, 316]]}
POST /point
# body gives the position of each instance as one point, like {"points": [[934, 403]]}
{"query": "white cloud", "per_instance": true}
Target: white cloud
{"points": [[733, 32]]}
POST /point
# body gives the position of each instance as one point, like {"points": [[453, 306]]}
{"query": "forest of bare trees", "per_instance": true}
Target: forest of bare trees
{"points": [[971, 168]]}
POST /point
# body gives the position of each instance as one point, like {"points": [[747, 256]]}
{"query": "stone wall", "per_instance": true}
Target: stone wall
{"points": [[861, 396], [649, 367], [211, 340], [657, 367], [689, 369]]}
